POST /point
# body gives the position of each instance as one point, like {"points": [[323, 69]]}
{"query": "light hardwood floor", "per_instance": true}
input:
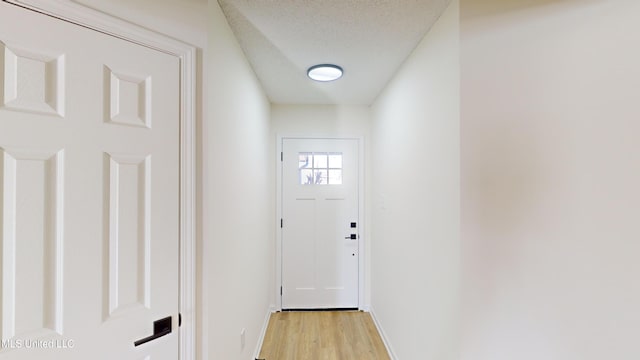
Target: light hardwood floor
{"points": [[322, 335]]}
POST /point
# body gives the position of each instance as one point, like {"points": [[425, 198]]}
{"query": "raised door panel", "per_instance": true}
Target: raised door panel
{"points": [[128, 99], [32, 238], [32, 81], [129, 240]]}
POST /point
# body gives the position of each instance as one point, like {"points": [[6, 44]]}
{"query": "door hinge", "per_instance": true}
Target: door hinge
{"points": [[179, 319], [280, 290], [281, 156], [281, 223]]}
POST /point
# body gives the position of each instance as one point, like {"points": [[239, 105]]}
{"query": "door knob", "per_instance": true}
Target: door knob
{"points": [[352, 237], [161, 328]]}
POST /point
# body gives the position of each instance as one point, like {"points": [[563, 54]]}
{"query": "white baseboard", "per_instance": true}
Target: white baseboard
{"points": [[383, 335], [263, 332]]}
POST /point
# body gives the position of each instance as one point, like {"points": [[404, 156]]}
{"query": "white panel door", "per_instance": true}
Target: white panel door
{"points": [[320, 223], [89, 180]]}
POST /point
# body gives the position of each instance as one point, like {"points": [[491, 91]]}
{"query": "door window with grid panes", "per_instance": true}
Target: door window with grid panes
{"points": [[320, 168]]}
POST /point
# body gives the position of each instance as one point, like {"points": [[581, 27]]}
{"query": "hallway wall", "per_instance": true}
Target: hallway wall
{"points": [[415, 160], [550, 179], [236, 193]]}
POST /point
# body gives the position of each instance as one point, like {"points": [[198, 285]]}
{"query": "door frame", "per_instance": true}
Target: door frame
{"points": [[361, 216], [70, 11]]}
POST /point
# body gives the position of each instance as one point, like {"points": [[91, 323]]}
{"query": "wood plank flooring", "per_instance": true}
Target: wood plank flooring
{"points": [[322, 335]]}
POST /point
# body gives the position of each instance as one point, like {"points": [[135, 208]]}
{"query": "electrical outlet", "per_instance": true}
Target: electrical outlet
{"points": [[243, 333]]}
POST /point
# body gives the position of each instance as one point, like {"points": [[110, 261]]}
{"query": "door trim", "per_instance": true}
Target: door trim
{"points": [[73, 12], [361, 216]]}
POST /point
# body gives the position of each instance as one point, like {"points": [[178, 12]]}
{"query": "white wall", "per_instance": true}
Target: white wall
{"points": [[185, 20], [236, 212], [550, 179], [415, 160], [353, 120], [331, 121]]}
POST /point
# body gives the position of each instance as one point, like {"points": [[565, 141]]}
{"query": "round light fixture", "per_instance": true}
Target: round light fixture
{"points": [[325, 72]]}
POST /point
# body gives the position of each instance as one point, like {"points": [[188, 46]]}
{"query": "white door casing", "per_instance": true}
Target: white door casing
{"points": [[90, 189], [320, 260]]}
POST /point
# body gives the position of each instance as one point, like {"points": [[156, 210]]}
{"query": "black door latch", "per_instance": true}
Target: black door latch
{"points": [[161, 328]]}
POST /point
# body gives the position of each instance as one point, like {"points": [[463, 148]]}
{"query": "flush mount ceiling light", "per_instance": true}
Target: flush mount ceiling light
{"points": [[325, 72]]}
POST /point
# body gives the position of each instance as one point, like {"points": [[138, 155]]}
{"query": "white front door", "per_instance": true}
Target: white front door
{"points": [[89, 200], [320, 223]]}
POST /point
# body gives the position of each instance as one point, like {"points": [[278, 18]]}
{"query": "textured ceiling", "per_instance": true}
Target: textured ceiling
{"points": [[370, 39]]}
